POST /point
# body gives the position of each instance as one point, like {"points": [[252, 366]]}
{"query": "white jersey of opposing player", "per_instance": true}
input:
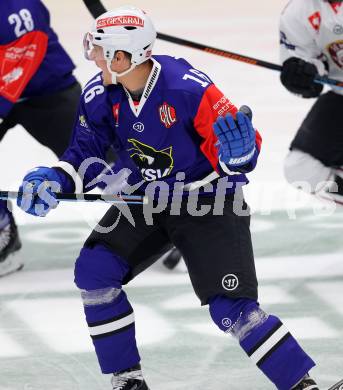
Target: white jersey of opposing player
{"points": [[313, 31]]}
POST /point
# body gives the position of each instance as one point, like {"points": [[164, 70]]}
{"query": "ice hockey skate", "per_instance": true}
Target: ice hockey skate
{"points": [[337, 386], [334, 192], [306, 383], [10, 260], [131, 379]]}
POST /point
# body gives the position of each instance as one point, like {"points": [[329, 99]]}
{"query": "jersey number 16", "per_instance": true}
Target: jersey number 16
{"points": [[201, 78]]}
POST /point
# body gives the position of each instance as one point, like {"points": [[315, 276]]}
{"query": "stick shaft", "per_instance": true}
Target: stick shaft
{"points": [[238, 57], [130, 199], [219, 52], [95, 7]]}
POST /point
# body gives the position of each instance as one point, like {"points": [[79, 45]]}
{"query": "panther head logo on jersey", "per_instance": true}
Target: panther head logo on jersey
{"points": [[154, 164]]}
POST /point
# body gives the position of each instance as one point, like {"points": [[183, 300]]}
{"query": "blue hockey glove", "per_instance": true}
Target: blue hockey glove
{"points": [[39, 189], [236, 139]]}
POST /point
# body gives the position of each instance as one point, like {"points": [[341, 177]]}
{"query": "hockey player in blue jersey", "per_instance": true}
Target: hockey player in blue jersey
{"points": [[37, 91], [170, 125]]}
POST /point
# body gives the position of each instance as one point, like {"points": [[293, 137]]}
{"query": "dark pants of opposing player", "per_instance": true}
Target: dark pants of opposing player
{"points": [[320, 134], [49, 119], [218, 253]]}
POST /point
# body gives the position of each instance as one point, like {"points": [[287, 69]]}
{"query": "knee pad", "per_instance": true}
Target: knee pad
{"points": [[305, 172], [238, 317], [99, 273]]}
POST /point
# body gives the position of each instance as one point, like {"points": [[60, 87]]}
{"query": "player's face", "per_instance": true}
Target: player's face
{"points": [[120, 62]]}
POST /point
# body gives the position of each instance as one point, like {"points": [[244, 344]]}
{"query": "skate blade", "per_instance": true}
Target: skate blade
{"points": [[14, 262], [337, 386]]}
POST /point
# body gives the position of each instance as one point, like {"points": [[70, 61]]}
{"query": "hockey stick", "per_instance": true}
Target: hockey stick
{"points": [[96, 8], [239, 57], [129, 199], [337, 386]]}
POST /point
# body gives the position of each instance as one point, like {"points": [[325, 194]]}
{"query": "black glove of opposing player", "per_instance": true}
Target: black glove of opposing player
{"points": [[298, 76]]}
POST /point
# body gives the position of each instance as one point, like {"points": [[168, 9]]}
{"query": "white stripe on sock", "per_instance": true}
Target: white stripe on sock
{"points": [[269, 344], [112, 326]]}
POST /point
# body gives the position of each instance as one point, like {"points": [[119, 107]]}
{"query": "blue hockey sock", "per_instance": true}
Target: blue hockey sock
{"points": [[110, 318], [264, 338]]}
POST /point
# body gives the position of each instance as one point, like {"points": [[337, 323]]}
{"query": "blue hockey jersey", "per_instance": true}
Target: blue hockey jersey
{"points": [[168, 132], [32, 61]]}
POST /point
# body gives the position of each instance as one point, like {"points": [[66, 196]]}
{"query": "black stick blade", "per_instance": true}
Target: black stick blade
{"points": [[95, 7]]}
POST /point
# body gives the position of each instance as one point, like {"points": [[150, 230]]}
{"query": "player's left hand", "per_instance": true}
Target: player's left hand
{"points": [[39, 188], [236, 139]]}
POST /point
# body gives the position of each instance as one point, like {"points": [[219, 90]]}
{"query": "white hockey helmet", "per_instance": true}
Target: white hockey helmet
{"points": [[125, 28]]}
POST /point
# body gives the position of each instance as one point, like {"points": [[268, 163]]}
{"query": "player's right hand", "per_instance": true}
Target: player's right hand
{"points": [[298, 77], [38, 191]]}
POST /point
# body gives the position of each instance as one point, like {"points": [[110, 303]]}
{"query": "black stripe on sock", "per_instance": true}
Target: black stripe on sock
{"points": [[265, 338], [99, 336], [276, 346], [113, 319]]}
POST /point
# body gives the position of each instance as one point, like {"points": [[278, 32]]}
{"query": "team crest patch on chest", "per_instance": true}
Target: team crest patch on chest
{"points": [[167, 115], [335, 50], [153, 164]]}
